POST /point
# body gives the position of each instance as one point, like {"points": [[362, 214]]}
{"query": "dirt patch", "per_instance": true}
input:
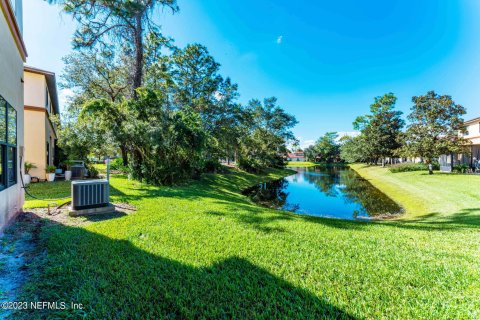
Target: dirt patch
{"points": [[17, 250], [20, 244]]}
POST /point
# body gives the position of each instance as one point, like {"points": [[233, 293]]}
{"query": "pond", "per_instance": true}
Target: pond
{"points": [[334, 192]]}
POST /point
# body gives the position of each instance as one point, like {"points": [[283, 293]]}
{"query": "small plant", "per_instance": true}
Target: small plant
{"points": [[50, 169], [68, 164], [29, 166]]}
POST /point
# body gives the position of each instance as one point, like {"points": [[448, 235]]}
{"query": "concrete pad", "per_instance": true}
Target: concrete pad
{"points": [[91, 211]]}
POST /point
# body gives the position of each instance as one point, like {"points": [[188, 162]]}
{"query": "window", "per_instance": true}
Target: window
{"points": [[12, 126], [47, 102], [3, 120], [47, 160], [2, 175], [8, 145]]}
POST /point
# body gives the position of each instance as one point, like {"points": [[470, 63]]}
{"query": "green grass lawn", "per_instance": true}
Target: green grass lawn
{"points": [[441, 196], [205, 251], [301, 164]]}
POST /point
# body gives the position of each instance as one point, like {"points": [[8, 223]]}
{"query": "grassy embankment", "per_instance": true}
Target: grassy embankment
{"points": [[301, 164], [205, 251]]}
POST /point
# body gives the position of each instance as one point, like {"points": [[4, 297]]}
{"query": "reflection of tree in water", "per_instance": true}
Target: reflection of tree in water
{"points": [[269, 194], [324, 179], [331, 181], [359, 190], [335, 181]]}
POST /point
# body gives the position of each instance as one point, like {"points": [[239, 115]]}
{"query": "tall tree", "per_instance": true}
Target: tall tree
{"points": [[195, 73], [353, 149], [326, 148], [267, 130], [108, 22], [435, 123], [381, 128]]}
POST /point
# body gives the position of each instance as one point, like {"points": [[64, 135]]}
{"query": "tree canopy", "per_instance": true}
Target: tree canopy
{"points": [[435, 124]]}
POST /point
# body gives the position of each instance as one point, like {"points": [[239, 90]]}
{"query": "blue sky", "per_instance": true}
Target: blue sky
{"points": [[324, 60]]}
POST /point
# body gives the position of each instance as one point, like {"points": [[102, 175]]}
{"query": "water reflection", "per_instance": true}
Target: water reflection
{"points": [[328, 192]]}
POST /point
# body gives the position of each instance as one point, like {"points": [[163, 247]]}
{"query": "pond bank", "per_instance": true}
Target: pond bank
{"points": [[422, 194]]}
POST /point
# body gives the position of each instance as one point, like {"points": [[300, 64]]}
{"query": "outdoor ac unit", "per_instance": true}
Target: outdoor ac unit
{"points": [[90, 194]]}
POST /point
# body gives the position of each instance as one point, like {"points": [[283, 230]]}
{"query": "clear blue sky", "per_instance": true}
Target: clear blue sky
{"points": [[324, 60]]}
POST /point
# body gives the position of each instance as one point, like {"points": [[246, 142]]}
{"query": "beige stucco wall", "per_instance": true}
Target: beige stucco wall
{"points": [[38, 128], [11, 88], [35, 142], [473, 130], [35, 85]]}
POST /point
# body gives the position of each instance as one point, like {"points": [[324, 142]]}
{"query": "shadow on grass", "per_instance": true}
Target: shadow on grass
{"points": [[105, 216], [114, 279], [465, 219]]}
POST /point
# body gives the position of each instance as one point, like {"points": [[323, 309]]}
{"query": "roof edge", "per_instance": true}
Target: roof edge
{"points": [[50, 78], [14, 29]]}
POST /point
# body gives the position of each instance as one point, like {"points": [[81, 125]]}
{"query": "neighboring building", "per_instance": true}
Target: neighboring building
{"points": [[41, 102], [12, 57], [472, 134], [296, 156]]}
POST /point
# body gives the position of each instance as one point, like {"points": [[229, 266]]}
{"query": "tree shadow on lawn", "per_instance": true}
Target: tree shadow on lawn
{"points": [[226, 187], [465, 219], [114, 279], [261, 219]]}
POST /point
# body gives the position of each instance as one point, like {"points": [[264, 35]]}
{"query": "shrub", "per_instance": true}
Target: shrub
{"points": [[92, 171], [213, 166], [117, 164], [460, 168], [410, 166]]}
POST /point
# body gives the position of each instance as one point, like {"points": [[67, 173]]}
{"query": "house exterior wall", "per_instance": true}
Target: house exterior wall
{"points": [[35, 141], [473, 132], [11, 89], [35, 89], [38, 128]]}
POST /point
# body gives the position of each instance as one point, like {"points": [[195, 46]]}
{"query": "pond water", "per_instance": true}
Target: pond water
{"points": [[334, 192]]}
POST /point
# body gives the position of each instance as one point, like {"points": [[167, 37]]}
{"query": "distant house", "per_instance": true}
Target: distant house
{"points": [[12, 57], [296, 156], [41, 102], [472, 158]]}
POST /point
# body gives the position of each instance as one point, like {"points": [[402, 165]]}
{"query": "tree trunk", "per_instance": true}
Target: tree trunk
{"points": [[123, 150], [138, 69]]}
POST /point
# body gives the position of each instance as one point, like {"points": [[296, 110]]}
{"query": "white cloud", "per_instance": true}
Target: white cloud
{"points": [[279, 39], [302, 143], [306, 143]]}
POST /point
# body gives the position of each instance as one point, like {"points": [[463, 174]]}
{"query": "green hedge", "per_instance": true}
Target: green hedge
{"points": [[410, 166]]}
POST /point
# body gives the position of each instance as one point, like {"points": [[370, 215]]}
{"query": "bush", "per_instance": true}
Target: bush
{"points": [[117, 164], [410, 166], [213, 166], [92, 171], [460, 168]]}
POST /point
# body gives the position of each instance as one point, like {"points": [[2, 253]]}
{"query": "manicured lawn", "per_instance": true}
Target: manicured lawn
{"points": [[300, 164], [53, 193], [205, 251], [441, 196]]}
